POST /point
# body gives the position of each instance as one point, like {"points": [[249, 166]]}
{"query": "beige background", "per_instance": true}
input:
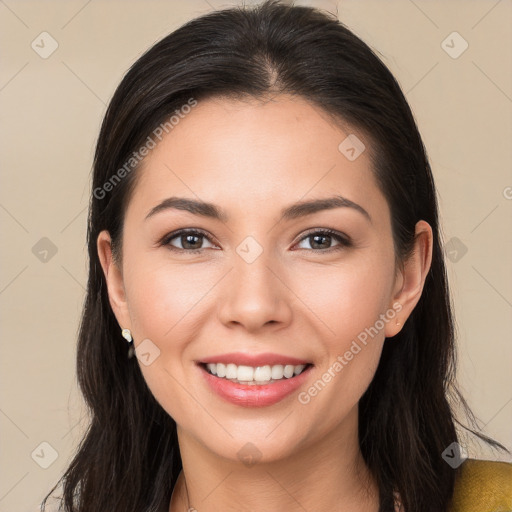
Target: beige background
{"points": [[51, 112]]}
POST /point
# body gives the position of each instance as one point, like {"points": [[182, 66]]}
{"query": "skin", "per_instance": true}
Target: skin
{"points": [[252, 159]]}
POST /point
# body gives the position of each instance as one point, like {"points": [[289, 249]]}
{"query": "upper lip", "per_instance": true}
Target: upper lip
{"points": [[264, 359]]}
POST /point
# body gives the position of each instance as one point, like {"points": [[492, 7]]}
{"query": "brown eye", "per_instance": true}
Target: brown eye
{"points": [[188, 240], [321, 241]]}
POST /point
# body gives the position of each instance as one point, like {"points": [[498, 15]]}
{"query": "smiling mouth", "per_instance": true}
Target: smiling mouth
{"points": [[255, 375]]}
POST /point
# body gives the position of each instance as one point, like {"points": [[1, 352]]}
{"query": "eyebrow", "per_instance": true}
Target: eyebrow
{"points": [[294, 211]]}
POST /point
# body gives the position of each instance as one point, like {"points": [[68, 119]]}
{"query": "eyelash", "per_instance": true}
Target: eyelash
{"points": [[344, 241]]}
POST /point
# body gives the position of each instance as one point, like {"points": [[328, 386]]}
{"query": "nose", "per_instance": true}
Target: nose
{"points": [[255, 296]]}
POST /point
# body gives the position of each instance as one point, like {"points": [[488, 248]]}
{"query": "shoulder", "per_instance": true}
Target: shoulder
{"points": [[483, 486]]}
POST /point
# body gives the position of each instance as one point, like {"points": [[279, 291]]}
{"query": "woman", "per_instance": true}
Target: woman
{"points": [[264, 234]]}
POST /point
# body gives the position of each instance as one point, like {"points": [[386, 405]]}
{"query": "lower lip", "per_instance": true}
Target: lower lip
{"points": [[254, 395]]}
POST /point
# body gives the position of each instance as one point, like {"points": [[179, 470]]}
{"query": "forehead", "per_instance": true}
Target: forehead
{"points": [[253, 153]]}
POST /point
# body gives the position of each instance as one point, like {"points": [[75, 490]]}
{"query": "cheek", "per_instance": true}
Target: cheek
{"points": [[159, 333], [345, 298], [161, 295], [350, 303], [164, 300]]}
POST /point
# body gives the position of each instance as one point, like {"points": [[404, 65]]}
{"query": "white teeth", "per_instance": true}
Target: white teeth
{"points": [[231, 371], [254, 375], [244, 373], [277, 371], [288, 371], [221, 370], [298, 369], [262, 373]]}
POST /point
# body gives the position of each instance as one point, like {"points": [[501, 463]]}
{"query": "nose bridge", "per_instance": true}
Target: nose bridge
{"points": [[254, 294]]}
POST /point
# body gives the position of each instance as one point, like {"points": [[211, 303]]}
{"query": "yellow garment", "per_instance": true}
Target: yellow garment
{"points": [[483, 486]]}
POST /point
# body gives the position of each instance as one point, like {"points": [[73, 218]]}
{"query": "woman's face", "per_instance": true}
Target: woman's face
{"points": [[255, 282]]}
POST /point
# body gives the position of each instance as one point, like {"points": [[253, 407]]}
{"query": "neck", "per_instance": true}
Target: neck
{"points": [[318, 476]]}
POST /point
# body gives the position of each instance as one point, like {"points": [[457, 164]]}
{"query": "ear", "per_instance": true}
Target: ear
{"points": [[114, 279], [411, 278]]}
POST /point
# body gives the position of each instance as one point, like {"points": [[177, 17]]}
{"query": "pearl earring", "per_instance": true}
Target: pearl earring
{"points": [[127, 335]]}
